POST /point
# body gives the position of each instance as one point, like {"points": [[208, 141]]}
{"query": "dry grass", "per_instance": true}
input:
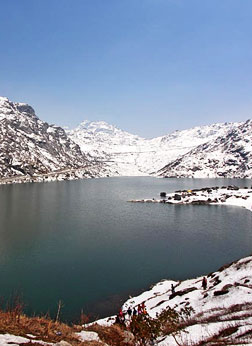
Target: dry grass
{"points": [[113, 336], [41, 327]]}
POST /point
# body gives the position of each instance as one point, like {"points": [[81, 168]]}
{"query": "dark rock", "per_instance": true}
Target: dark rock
{"points": [[200, 202], [226, 287], [228, 331], [233, 187], [183, 292], [217, 281], [177, 197], [220, 293]]}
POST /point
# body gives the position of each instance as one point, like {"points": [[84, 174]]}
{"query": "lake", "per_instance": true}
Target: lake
{"points": [[81, 242]]}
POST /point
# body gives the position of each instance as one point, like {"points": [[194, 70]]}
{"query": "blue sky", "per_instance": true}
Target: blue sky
{"points": [[146, 66]]}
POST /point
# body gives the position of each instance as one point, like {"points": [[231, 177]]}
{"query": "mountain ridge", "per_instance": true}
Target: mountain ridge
{"points": [[34, 150], [133, 155], [31, 148], [229, 156]]}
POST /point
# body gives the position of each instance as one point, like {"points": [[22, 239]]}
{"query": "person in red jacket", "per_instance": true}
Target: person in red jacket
{"points": [[204, 283]]}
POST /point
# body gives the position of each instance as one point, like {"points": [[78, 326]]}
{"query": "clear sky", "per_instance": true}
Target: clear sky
{"points": [[146, 66]]}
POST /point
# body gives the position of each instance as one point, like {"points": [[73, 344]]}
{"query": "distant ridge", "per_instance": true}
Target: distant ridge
{"points": [[128, 154]]}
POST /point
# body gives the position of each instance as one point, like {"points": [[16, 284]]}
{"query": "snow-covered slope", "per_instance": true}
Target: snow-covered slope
{"points": [[119, 149], [129, 154], [30, 147], [221, 313], [228, 156]]}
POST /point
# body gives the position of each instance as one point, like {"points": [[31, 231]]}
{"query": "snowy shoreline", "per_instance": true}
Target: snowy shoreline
{"points": [[230, 195], [225, 306], [225, 303]]}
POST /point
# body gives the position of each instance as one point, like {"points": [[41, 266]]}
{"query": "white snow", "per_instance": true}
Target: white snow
{"points": [[88, 336], [221, 196], [228, 155], [212, 313], [8, 339], [130, 155]]}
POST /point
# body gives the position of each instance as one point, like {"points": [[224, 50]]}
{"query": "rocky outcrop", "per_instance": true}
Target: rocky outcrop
{"points": [[228, 156], [230, 195], [33, 150]]}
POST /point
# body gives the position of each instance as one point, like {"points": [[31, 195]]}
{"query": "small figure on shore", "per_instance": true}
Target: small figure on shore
{"points": [[121, 313], [144, 311], [204, 283], [117, 320], [172, 288], [134, 312], [129, 311], [139, 309]]}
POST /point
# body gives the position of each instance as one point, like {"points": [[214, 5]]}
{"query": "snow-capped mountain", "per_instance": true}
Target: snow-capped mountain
{"points": [[128, 154], [227, 156], [31, 147], [118, 148]]}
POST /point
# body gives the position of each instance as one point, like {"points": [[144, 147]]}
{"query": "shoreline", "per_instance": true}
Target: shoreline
{"points": [[230, 195], [83, 173]]}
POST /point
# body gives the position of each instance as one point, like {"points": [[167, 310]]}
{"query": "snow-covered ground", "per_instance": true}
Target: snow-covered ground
{"points": [[225, 303], [235, 196], [13, 340]]}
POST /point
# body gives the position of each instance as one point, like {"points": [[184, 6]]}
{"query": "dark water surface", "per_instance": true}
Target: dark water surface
{"points": [[82, 243]]}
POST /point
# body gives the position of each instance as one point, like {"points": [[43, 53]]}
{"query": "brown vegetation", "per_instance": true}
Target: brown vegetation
{"points": [[43, 328]]}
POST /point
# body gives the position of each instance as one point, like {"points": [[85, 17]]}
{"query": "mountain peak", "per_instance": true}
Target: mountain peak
{"points": [[97, 126], [3, 99]]}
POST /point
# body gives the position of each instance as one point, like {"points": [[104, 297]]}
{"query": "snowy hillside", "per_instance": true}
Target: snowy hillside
{"points": [[228, 156], [31, 149], [220, 313], [117, 148], [129, 154]]}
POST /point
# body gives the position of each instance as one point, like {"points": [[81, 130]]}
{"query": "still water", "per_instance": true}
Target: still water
{"points": [[81, 242]]}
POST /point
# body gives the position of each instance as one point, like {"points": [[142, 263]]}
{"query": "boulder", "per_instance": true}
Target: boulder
{"points": [[220, 293], [183, 292], [63, 343], [177, 197]]}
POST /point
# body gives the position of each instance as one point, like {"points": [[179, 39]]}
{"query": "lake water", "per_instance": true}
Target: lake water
{"points": [[82, 242]]}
